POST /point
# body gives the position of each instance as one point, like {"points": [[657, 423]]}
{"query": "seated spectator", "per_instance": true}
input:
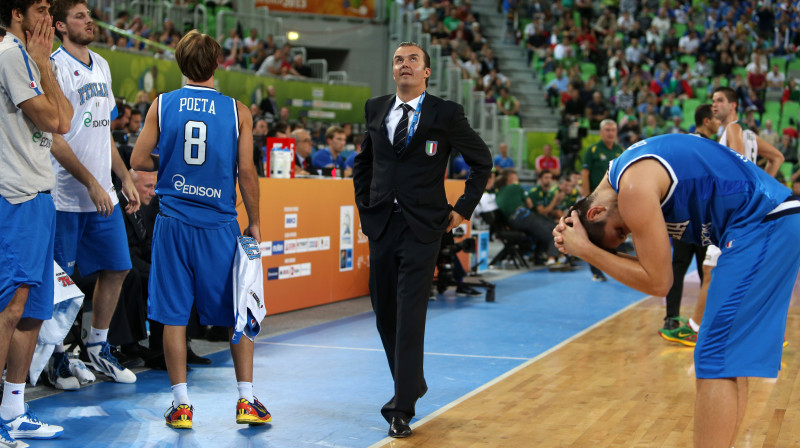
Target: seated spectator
{"points": [[299, 67], [756, 79], [651, 128], [563, 50], [537, 44], [596, 110], [769, 135], [268, 106], [260, 131], [689, 43], [758, 59], [134, 126], [459, 168], [556, 87], [503, 160], [701, 72], [634, 53], [515, 205], [302, 151], [493, 78], [272, 65], [791, 92], [674, 126], [606, 24], [724, 66], [330, 158], [350, 162], [119, 125], [507, 104], [574, 108], [251, 41], [424, 10], [788, 147], [545, 197], [625, 22], [775, 79], [547, 162]]}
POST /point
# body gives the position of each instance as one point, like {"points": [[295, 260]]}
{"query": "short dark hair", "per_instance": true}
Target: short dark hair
{"points": [[729, 93], [594, 229], [58, 10], [426, 58], [7, 6], [702, 112], [135, 111], [197, 55]]}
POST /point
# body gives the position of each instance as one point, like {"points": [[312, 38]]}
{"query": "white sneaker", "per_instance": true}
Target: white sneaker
{"points": [[104, 362], [7, 441], [59, 374], [27, 426], [81, 372]]}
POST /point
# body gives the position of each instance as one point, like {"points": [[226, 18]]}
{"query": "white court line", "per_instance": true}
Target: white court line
{"points": [[491, 383], [381, 350]]}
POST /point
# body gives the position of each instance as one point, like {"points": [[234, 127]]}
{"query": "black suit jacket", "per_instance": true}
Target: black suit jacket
{"points": [[413, 177]]}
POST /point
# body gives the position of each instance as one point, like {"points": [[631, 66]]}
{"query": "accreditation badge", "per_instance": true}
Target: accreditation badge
{"points": [[431, 147]]}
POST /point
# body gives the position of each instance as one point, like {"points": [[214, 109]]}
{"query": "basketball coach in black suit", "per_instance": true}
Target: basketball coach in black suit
{"points": [[399, 191]]}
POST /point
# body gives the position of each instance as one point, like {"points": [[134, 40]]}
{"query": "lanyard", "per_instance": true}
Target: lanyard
{"points": [[413, 126]]}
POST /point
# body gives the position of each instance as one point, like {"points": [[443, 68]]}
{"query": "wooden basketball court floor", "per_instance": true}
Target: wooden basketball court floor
{"points": [[556, 361]]}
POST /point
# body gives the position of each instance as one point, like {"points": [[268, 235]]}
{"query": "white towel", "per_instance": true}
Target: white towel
{"points": [[67, 300], [248, 289]]}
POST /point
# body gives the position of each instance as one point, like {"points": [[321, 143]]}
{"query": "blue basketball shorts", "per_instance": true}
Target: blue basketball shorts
{"points": [[26, 253], [744, 323], [192, 265], [92, 242]]}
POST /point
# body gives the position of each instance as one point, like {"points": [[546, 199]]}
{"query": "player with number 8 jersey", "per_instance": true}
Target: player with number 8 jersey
{"points": [[197, 171], [203, 141]]}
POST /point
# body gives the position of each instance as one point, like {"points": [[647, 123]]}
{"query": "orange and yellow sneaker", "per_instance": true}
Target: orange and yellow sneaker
{"points": [[180, 417], [254, 413]]}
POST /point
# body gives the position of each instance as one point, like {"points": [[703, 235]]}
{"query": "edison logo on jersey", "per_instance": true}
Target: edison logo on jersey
{"points": [[180, 184], [89, 122], [92, 90]]}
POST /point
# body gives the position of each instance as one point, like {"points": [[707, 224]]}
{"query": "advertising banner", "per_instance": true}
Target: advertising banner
{"points": [[346, 8]]}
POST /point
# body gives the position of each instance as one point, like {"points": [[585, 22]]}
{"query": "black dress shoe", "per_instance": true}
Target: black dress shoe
{"points": [[194, 358], [399, 428]]}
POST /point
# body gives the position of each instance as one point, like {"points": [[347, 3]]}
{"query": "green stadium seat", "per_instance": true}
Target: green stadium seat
{"points": [[680, 29], [790, 111], [740, 71], [793, 66], [689, 107], [782, 63], [689, 59], [588, 67]]}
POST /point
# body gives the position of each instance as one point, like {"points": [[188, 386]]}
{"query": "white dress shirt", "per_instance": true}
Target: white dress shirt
{"points": [[394, 116]]}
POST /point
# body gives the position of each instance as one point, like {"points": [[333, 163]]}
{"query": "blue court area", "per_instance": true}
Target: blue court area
{"points": [[324, 385]]}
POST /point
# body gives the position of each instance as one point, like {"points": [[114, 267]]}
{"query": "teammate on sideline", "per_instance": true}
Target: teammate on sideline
{"points": [[200, 138], [33, 107], [747, 143], [696, 190], [90, 230]]}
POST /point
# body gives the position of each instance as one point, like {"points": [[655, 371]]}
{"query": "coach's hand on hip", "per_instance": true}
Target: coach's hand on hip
{"points": [[455, 220]]}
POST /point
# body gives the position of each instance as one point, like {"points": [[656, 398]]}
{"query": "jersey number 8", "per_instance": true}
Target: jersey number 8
{"points": [[194, 142]]}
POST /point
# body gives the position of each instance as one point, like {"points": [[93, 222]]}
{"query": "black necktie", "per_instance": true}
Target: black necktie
{"points": [[401, 131]]}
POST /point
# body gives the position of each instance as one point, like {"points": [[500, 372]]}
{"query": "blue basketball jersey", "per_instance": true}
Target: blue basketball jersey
{"points": [[714, 190], [197, 149]]}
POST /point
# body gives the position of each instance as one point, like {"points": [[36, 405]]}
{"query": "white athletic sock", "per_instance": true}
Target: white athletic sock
{"points": [[97, 335], [13, 401], [245, 390], [180, 394], [694, 325], [60, 348]]}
